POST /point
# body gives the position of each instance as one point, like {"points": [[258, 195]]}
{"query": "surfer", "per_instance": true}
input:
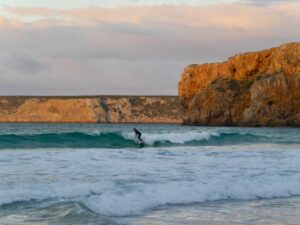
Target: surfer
{"points": [[138, 135]]}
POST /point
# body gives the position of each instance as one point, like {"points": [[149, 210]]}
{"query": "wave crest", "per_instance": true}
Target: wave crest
{"points": [[173, 137], [124, 139]]}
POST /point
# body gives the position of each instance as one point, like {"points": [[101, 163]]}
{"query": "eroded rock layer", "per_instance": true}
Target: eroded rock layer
{"points": [[253, 89], [102, 109]]}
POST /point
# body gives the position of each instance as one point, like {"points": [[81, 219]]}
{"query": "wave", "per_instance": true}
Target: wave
{"points": [[65, 140], [126, 139], [130, 182], [135, 199]]}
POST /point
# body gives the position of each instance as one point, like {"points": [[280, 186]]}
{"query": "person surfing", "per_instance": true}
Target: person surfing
{"points": [[138, 134]]}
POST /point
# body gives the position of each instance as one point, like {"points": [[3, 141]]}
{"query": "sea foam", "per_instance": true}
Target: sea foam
{"points": [[129, 181], [172, 137]]}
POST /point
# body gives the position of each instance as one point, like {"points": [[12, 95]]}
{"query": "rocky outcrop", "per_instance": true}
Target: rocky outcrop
{"points": [[101, 109], [253, 89]]}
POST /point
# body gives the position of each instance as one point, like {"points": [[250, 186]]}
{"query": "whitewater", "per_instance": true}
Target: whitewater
{"points": [[100, 174]]}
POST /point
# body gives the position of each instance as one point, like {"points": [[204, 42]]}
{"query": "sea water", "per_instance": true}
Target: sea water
{"points": [[100, 174]]}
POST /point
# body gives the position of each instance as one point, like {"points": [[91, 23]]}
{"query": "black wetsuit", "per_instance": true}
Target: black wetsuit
{"points": [[138, 134]]}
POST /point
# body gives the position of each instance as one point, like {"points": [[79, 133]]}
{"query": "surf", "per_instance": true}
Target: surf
{"points": [[129, 182], [125, 139]]}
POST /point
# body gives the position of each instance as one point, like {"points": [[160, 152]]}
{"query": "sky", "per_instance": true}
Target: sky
{"points": [[129, 47], [63, 4]]}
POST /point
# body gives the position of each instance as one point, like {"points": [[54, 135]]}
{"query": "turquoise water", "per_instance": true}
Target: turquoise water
{"points": [[100, 174]]}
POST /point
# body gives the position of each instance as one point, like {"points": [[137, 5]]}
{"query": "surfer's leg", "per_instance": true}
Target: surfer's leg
{"points": [[139, 137]]}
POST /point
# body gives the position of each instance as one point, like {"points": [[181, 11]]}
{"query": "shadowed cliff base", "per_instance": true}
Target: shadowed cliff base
{"points": [[91, 109], [252, 89]]}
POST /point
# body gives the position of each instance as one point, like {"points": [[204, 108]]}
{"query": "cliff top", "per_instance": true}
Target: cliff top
{"points": [[285, 58], [285, 46]]}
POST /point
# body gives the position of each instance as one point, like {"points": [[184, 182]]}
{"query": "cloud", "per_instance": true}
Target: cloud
{"points": [[130, 50], [24, 64], [268, 2], [225, 15]]}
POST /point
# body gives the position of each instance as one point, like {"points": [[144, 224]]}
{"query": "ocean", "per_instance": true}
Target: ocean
{"points": [[88, 174]]}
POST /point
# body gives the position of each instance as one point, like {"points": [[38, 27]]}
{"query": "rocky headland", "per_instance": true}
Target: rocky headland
{"points": [[252, 89], [93, 109]]}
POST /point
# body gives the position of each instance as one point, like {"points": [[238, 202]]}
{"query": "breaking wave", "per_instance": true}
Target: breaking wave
{"points": [[135, 198], [126, 139]]}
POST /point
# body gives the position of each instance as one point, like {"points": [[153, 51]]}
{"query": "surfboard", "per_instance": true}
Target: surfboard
{"points": [[141, 142]]}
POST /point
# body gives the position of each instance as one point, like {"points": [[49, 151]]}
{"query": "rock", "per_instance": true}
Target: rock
{"points": [[103, 109], [253, 89]]}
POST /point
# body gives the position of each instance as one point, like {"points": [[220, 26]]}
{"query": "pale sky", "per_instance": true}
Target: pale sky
{"points": [[134, 47], [61, 4]]}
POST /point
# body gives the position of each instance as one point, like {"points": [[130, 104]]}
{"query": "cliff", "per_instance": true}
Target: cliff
{"points": [[253, 89], [100, 109]]}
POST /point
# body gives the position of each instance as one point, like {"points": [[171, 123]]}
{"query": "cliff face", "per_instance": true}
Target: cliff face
{"points": [[103, 109], [253, 89]]}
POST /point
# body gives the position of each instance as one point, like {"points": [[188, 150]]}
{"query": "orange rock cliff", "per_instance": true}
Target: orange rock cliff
{"points": [[95, 109], [252, 89]]}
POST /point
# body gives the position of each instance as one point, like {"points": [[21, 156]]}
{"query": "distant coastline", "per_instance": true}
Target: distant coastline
{"points": [[91, 109]]}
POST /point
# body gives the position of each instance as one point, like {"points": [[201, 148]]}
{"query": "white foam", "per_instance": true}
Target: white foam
{"points": [[173, 137], [145, 196], [128, 181], [38, 192]]}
